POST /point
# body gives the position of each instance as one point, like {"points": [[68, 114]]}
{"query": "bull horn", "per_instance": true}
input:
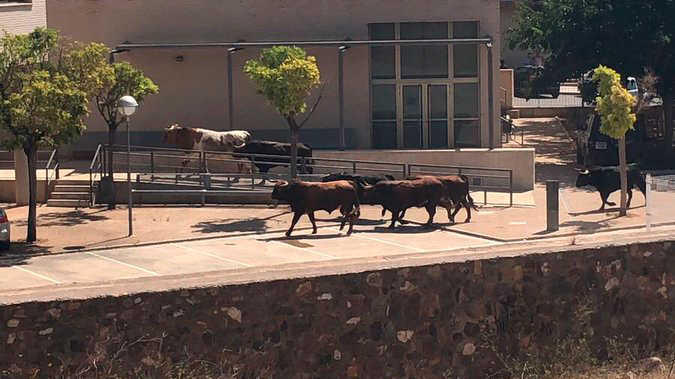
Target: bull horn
{"points": [[282, 183], [239, 146], [584, 172]]}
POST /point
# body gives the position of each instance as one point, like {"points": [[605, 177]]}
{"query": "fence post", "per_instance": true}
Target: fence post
{"points": [[206, 165], [152, 162], [552, 205], [648, 213], [510, 188], [252, 174], [405, 171], [354, 167]]}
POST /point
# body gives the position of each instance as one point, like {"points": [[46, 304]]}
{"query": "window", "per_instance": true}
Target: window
{"points": [[382, 58], [420, 98], [384, 116], [420, 61], [466, 55], [467, 115]]}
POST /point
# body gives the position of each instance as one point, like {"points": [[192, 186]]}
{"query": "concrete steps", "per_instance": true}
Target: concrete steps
{"points": [[69, 194]]}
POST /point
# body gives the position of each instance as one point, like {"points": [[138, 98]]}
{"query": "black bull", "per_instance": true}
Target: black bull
{"points": [[607, 181], [279, 155]]}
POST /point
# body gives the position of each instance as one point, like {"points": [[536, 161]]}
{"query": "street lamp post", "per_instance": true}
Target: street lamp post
{"points": [[127, 105]]}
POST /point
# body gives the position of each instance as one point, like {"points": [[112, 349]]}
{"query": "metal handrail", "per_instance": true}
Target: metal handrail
{"points": [[92, 167], [52, 158], [329, 164]]}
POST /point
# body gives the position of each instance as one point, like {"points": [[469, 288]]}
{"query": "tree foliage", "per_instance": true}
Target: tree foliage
{"points": [[285, 76], [632, 36], [122, 79], [614, 103], [45, 85]]}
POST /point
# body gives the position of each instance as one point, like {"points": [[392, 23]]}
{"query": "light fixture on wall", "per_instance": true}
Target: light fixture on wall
{"points": [[180, 58]]}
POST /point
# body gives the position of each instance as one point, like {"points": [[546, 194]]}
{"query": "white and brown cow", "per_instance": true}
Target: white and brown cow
{"points": [[205, 140]]}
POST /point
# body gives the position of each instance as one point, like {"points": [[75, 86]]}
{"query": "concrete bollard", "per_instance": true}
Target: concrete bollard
{"points": [[552, 205]]}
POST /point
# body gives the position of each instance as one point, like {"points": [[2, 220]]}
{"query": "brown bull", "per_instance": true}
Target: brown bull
{"points": [[398, 195], [455, 193], [306, 198]]}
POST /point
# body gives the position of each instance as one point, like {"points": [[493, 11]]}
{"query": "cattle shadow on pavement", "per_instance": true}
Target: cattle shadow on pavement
{"points": [[360, 221], [601, 211], [407, 229]]}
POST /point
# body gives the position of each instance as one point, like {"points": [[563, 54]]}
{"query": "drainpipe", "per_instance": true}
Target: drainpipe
{"points": [[491, 111], [341, 51]]}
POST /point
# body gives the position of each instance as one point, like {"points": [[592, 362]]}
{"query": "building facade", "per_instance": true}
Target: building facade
{"points": [[395, 96], [18, 17]]}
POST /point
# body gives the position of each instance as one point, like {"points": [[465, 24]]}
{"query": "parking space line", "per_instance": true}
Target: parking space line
{"points": [[38, 275], [306, 250], [213, 256], [122, 263], [386, 242]]}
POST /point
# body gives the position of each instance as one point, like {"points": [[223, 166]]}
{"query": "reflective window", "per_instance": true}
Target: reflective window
{"points": [[466, 100], [465, 57], [420, 61], [467, 133], [382, 58], [384, 102]]}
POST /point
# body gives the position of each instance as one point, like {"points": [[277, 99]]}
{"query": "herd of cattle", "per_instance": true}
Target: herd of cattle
{"points": [[263, 155], [348, 192]]}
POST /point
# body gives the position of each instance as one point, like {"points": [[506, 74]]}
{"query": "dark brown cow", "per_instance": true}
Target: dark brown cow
{"points": [[398, 195], [456, 194], [306, 198]]}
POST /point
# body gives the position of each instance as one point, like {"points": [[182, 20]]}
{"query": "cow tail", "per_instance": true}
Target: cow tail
{"points": [[468, 194], [356, 211]]}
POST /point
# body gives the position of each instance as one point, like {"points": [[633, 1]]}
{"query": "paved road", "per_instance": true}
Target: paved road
{"points": [[233, 253]]}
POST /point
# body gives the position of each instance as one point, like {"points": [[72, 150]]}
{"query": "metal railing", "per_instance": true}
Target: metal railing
{"points": [[95, 168], [508, 130], [160, 165], [483, 179], [53, 158]]}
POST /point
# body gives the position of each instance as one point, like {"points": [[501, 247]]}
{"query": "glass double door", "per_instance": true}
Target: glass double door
{"points": [[423, 120]]}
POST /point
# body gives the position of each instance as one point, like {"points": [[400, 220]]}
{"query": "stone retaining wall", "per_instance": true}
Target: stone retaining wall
{"points": [[452, 320]]}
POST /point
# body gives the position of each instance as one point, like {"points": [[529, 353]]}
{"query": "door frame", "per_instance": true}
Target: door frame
{"points": [[424, 83]]}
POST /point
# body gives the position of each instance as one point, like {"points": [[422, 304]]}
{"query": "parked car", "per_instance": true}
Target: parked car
{"points": [[529, 83], [595, 148], [4, 230], [632, 86]]}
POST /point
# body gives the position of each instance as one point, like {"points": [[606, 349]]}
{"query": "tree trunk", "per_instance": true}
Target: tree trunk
{"points": [[622, 174], [31, 154], [112, 132], [294, 145], [668, 130]]}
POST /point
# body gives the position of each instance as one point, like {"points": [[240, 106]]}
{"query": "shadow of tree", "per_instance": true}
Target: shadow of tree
{"points": [[236, 225], [20, 252], [71, 218]]}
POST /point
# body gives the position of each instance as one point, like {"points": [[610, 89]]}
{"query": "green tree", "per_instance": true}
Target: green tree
{"points": [[285, 75], [45, 84], [121, 79], [578, 35], [614, 104]]}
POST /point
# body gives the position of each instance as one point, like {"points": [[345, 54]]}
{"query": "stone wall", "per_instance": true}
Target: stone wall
{"points": [[452, 320]]}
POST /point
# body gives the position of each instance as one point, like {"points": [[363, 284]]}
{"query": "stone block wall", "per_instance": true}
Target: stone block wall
{"points": [[449, 320]]}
